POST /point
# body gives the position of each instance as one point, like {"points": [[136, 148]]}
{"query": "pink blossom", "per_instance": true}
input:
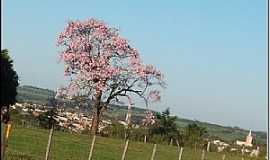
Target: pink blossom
{"points": [[60, 93], [154, 95], [96, 57], [149, 118]]}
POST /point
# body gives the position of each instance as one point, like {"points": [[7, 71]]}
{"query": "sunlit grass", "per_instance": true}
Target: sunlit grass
{"points": [[30, 143]]}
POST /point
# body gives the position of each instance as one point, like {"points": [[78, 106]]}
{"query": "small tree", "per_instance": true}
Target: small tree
{"points": [[104, 66], [47, 119], [194, 134], [8, 92], [166, 125], [8, 85]]}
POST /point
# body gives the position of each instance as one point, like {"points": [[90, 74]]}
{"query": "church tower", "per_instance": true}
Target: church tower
{"points": [[249, 139]]}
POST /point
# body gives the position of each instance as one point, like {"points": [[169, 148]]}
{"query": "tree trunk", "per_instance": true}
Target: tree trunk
{"points": [[129, 124], [95, 122], [97, 107], [127, 132]]}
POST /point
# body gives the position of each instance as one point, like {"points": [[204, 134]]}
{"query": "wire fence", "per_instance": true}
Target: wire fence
{"points": [[29, 143]]}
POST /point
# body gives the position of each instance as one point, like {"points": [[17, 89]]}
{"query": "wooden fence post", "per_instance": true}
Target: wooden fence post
{"points": [[243, 152], [49, 143], [177, 142], [2, 140], [208, 146], [5, 139], [224, 156], [180, 153], [171, 142], [154, 152], [203, 155], [145, 138], [92, 147], [125, 150]]}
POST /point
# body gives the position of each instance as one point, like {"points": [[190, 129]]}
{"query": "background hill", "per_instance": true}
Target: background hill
{"points": [[34, 94], [41, 96]]}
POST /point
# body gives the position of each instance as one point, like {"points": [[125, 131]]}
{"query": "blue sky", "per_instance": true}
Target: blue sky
{"points": [[213, 53]]}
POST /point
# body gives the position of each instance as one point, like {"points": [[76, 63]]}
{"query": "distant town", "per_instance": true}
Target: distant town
{"points": [[78, 121]]}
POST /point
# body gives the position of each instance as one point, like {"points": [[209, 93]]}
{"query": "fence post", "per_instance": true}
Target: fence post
{"points": [[125, 150], [208, 146], [2, 141], [154, 152], [180, 153], [243, 151], [224, 156], [171, 142], [5, 139], [203, 155], [145, 138], [49, 143], [177, 142], [92, 147]]}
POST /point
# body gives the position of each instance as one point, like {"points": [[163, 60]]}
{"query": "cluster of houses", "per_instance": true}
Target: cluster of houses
{"points": [[77, 122], [27, 108], [246, 147], [72, 121]]}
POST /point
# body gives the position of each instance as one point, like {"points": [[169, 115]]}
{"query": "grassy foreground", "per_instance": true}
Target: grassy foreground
{"points": [[30, 143]]}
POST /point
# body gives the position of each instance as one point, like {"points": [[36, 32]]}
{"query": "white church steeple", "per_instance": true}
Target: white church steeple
{"points": [[249, 139]]}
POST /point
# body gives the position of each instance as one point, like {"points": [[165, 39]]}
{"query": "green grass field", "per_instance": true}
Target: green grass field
{"points": [[30, 143], [229, 134]]}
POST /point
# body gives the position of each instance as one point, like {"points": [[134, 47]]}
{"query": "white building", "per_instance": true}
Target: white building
{"points": [[248, 142], [220, 143]]}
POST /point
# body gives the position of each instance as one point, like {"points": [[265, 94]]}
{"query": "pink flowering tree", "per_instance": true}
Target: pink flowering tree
{"points": [[148, 121], [104, 67]]}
